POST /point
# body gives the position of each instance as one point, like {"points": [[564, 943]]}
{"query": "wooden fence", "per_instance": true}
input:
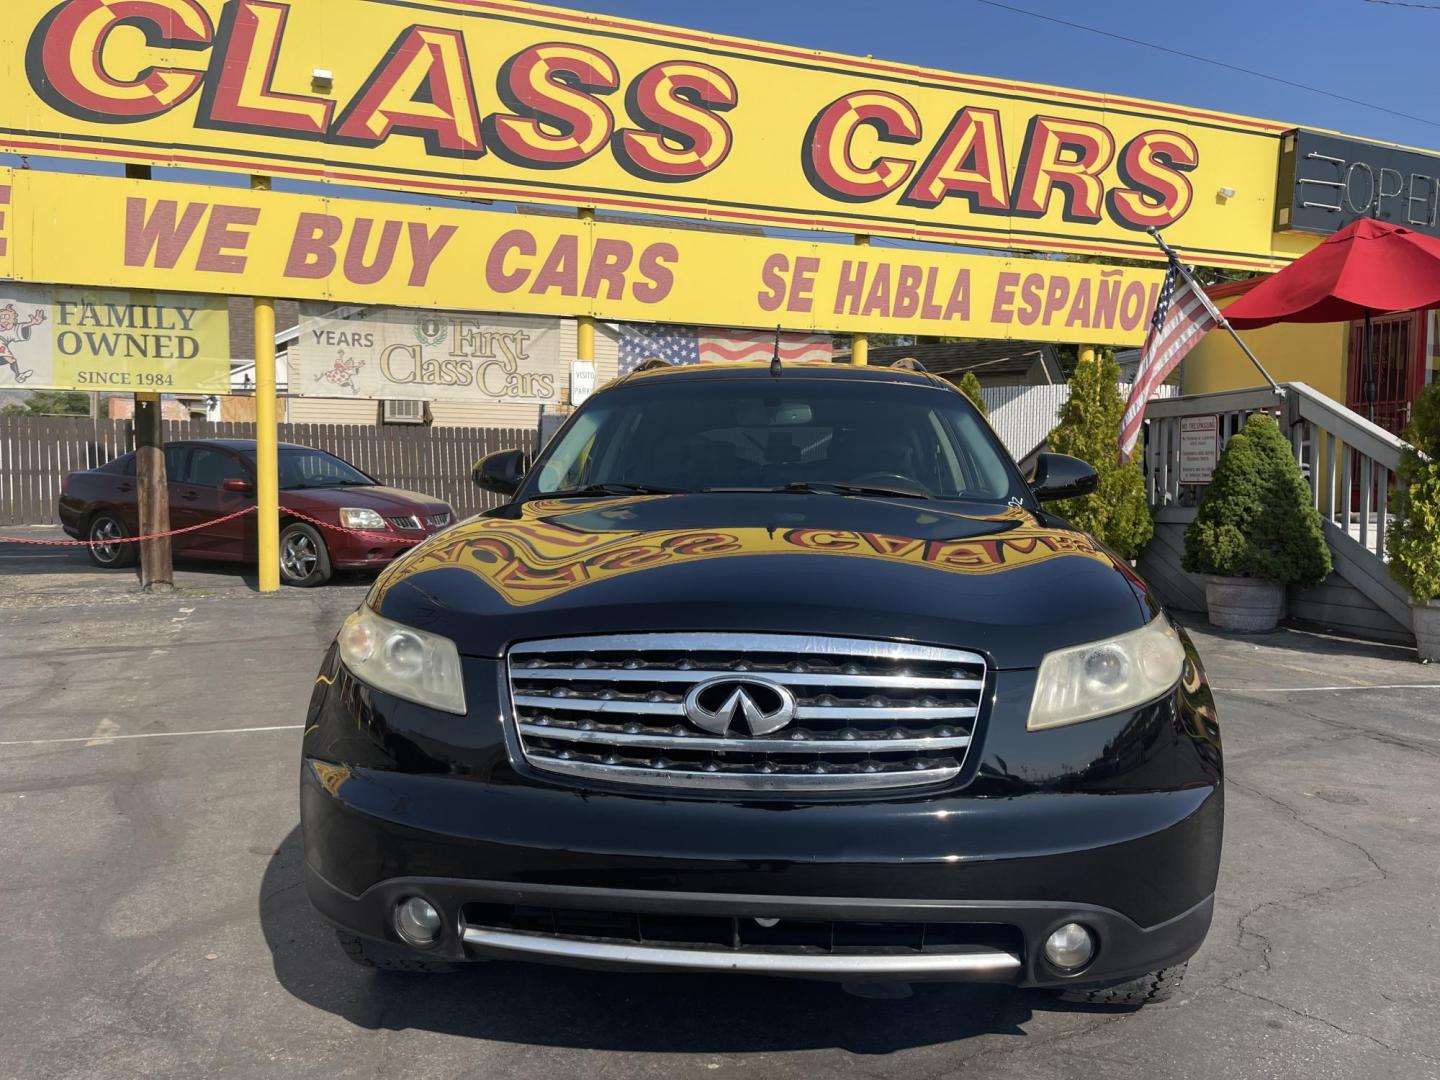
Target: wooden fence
{"points": [[36, 453]]}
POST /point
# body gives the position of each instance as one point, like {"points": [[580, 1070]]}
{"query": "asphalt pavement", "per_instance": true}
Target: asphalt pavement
{"points": [[154, 921]]}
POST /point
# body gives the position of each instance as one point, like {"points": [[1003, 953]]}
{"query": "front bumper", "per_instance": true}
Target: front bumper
{"points": [[529, 874]]}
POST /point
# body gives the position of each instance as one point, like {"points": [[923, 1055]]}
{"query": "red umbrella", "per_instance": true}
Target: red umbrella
{"points": [[1369, 267]]}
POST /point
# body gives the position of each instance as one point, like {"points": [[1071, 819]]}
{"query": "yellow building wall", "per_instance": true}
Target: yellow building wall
{"points": [[1313, 353]]}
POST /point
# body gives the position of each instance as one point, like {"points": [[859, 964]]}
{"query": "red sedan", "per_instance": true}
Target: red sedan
{"points": [[213, 478]]}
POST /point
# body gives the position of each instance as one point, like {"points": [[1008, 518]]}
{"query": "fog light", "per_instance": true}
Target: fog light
{"points": [[1070, 947], [417, 922]]}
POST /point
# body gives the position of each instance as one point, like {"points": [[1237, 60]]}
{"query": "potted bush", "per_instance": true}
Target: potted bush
{"points": [[1256, 532], [1413, 542]]}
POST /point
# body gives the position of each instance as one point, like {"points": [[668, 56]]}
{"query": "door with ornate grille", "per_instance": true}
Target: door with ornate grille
{"points": [[1384, 389]]}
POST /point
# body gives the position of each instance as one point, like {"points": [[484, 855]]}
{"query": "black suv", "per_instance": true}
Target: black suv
{"points": [[769, 670]]}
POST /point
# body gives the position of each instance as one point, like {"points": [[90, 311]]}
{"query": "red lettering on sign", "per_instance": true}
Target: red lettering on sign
{"points": [[312, 249], [557, 120], [969, 161], [66, 61], [828, 156], [1159, 193], [1065, 154], [158, 238], [676, 106], [239, 92], [223, 235], [423, 88]]}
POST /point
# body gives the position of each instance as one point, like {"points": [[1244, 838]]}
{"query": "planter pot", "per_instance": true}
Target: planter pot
{"points": [[1244, 604], [1427, 630]]}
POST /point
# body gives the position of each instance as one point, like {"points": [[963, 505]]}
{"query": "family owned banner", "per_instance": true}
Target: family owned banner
{"points": [[60, 338]]}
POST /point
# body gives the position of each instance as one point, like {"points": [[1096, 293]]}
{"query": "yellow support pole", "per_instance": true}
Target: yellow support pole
{"points": [[860, 343], [267, 455], [585, 324], [1087, 354]]}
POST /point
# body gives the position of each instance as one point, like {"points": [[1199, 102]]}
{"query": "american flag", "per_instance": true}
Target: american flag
{"points": [[708, 345], [1183, 315]]}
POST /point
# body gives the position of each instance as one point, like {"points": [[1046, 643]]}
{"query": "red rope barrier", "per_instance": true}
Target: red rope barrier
{"points": [[387, 537]]}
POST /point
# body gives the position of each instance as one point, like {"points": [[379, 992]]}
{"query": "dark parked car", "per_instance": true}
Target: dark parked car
{"points": [[782, 673], [209, 479]]}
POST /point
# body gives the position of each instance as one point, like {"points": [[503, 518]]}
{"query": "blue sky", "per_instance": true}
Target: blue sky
{"points": [[1380, 53]]}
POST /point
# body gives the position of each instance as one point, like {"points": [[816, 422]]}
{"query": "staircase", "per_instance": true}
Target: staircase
{"points": [[1350, 464]]}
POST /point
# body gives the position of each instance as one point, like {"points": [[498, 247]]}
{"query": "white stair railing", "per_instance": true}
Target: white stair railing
{"points": [[1349, 462]]}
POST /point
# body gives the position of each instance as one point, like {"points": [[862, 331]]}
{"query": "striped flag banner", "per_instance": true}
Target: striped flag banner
{"points": [[709, 345], [1183, 315]]}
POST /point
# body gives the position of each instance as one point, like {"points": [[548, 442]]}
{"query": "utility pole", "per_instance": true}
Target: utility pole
{"points": [[152, 489]]}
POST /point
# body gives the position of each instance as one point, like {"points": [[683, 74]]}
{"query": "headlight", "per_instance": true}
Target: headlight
{"points": [[1106, 677], [354, 517], [403, 661]]}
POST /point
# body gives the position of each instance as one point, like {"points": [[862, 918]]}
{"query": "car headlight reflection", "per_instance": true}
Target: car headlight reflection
{"points": [[358, 517], [403, 661], [1104, 677]]}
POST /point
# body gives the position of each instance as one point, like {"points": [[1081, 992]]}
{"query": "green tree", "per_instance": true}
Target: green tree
{"points": [[1116, 512], [970, 386], [1258, 519], [1414, 539], [51, 403]]}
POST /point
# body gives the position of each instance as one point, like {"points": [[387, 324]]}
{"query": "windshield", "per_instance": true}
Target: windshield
{"points": [[301, 467], [776, 435]]}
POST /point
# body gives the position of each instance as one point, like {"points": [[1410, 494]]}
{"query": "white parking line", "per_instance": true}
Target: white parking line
{"points": [[105, 740], [1308, 689]]}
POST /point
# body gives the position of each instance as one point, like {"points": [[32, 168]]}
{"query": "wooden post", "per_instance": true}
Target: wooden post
{"points": [[152, 488], [860, 343], [157, 571]]}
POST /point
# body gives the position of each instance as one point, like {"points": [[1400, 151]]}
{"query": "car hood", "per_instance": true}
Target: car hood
{"points": [[386, 501], [998, 580]]}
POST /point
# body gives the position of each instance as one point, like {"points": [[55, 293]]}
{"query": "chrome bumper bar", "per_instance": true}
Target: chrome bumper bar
{"points": [[975, 961]]}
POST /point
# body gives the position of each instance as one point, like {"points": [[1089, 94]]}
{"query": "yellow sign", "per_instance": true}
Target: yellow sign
{"points": [[539, 557], [507, 100], [56, 338], [110, 231]]}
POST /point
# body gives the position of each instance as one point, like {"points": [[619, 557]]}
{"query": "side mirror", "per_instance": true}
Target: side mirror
{"points": [[500, 472], [238, 486], [1059, 476]]}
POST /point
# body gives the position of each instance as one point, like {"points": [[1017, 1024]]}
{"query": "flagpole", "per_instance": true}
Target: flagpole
{"points": [[1185, 272]]}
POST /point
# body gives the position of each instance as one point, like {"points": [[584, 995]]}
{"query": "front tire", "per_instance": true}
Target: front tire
{"points": [[304, 559], [1146, 990], [113, 555]]}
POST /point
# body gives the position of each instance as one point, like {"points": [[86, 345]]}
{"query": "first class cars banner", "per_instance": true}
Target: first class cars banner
{"points": [[58, 338], [510, 101], [189, 238]]}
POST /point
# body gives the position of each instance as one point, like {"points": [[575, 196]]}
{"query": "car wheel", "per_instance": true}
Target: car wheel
{"points": [[385, 957], [304, 560], [1156, 986], [105, 532]]}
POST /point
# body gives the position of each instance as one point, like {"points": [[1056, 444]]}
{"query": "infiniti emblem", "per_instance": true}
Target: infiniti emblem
{"points": [[716, 704]]}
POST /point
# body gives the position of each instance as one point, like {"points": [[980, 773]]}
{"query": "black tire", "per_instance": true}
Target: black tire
{"points": [[384, 957], [106, 525], [1146, 990], [304, 559]]}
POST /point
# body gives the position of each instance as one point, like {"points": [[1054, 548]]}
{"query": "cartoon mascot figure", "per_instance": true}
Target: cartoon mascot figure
{"points": [[13, 330]]}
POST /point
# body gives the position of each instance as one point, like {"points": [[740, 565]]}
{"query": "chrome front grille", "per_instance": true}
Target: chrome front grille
{"points": [[438, 521], [860, 714], [409, 522]]}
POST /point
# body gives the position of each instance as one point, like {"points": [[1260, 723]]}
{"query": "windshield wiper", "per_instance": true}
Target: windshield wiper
{"points": [[610, 489], [822, 487]]}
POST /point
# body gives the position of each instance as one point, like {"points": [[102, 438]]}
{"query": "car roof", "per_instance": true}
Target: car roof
{"points": [[761, 370]]}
